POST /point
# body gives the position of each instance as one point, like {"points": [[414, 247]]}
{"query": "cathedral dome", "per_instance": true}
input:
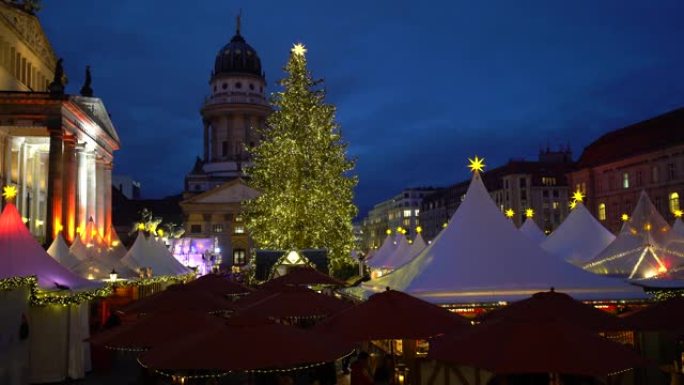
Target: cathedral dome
{"points": [[237, 57]]}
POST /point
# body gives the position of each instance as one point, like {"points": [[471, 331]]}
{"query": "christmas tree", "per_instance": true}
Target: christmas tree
{"points": [[302, 172]]}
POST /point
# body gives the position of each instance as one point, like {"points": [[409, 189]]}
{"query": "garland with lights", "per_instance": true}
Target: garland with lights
{"points": [[41, 297]]}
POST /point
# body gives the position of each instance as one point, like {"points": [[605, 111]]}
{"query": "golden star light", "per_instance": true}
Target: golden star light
{"points": [[476, 165], [577, 196], [573, 204], [298, 49], [419, 229], [678, 213], [510, 213], [9, 192], [388, 231], [529, 213], [624, 217]]}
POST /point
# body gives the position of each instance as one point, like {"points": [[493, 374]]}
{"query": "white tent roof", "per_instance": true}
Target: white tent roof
{"points": [[400, 259], [399, 254], [579, 238], [144, 253], [385, 250], [532, 231], [678, 228], [481, 258], [60, 252], [642, 249]]}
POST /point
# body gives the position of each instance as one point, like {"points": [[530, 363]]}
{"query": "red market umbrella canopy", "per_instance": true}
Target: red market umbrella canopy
{"points": [[559, 305], [156, 329], [263, 293], [179, 297], [535, 346], [217, 284], [246, 346], [661, 316], [295, 304], [303, 276], [393, 315]]}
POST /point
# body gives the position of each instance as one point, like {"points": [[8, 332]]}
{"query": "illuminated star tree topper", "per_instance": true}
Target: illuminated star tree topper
{"points": [[529, 213], [476, 164], [9, 192], [510, 213], [624, 217], [298, 49]]}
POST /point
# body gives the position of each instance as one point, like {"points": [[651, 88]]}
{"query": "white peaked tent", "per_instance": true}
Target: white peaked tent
{"points": [[61, 253], [79, 250], [393, 260], [408, 253], [480, 258], [678, 228], [144, 254], [530, 229], [387, 247], [642, 249], [579, 238]]}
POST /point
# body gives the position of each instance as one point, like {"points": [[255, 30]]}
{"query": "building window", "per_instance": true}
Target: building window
{"points": [[224, 85], [545, 193], [654, 174], [217, 228], [671, 171], [239, 229], [195, 229], [239, 257], [548, 181], [406, 222], [224, 148], [674, 202], [625, 180], [238, 85], [556, 205], [523, 182], [416, 212], [639, 179], [407, 213], [602, 211], [523, 194]]}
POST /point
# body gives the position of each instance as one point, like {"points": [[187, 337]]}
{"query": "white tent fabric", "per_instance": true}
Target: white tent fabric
{"points": [[14, 351], [530, 229], [678, 228], [79, 250], [145, 254], [642, 249], [61, 253], [394, 260], [579, 238], [400, 259], [481, 258], [385, 250]]}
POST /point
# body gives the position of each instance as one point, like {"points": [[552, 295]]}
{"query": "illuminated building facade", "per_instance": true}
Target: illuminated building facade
{"points": [[214, 189], [57, 148], [519, 185], [402, 210], [613, 170]]}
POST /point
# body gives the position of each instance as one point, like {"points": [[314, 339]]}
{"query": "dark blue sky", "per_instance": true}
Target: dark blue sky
{"points": [[419, 86]]}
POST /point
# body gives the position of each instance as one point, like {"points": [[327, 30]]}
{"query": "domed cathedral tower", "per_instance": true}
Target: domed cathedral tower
{"points": [[234, 109], [215, 187]]}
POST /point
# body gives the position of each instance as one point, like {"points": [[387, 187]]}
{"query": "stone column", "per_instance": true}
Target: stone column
{"points": [[99, 196], [92, 190], [69, 188], [82, 190], [55, 187], [21, 180], [108, 201]]}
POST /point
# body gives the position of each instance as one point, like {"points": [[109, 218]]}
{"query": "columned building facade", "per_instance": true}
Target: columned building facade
{"points": [[232, 115]]}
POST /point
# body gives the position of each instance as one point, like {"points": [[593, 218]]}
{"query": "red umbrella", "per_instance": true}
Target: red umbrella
{"points": [[295, 304], [303, 276], [393, 315], [535, 346], [262, 293], [179, 297], [156, 329], [661, 316], [560, 305], [246, 346], [217, 284]]}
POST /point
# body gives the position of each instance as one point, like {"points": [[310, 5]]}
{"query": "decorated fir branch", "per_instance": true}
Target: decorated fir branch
{"points": [[302, 172]]}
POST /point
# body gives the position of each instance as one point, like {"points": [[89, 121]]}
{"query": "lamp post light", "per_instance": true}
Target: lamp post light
{"points": [[113, 276]]}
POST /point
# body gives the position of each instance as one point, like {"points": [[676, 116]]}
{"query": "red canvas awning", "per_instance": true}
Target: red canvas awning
{"points": [[393, 315], [535, 346], [246, 346], [661, 316], [179, 297], [217, 284], [295, 304], [303, 276], [558, 305], [156, 329]]}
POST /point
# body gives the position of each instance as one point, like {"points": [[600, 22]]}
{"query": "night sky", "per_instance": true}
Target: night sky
{"points": [[418, 88]]}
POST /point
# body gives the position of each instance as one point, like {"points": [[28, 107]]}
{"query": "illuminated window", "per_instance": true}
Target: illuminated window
{"points": [[602, 212], [407, 213], [674, 202], [556, 205], [239, 257], [406, 222], [217, 228], [625, 180], [239, 229], [416, 212]]}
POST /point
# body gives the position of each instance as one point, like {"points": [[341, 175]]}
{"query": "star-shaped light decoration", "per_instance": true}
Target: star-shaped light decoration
{"points": [[298, 49], [573, 204], [419, 229], [400, 230], [388, 231], [624, 217], [476, 165], [577, 196], [9, 192], [444, 225], [510, 213], [529, 213], [678, 213]]}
